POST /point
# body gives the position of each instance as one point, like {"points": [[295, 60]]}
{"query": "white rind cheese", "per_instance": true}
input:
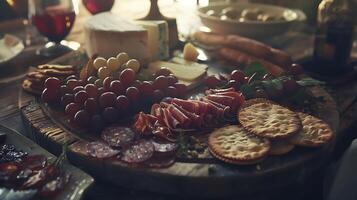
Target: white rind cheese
{"points": [[107, 34], [158, 39], [182, 72]]}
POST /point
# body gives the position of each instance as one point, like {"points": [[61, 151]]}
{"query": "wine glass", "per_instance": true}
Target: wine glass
{"points": [[97, 6], [53, 19]]}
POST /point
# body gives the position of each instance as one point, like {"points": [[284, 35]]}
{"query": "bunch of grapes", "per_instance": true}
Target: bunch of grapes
{"points": [[95, 102]]}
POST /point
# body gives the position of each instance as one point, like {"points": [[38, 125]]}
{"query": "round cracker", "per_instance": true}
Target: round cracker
{"points": [[234, 144], [314, 133], [269, 120], [255, 101], [280, 147]]}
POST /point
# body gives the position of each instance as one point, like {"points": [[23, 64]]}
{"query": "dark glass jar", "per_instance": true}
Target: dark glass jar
{"points": [[334, 36]]}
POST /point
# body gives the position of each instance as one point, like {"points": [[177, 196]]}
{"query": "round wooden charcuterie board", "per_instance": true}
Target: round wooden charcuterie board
{"points": [[195, 177]]}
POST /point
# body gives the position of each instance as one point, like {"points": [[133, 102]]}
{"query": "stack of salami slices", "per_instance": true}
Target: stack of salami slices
{"points": [[123, 144]]}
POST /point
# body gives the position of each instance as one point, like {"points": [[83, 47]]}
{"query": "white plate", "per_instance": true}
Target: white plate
{"points": [[253, 29], [10, 46]]}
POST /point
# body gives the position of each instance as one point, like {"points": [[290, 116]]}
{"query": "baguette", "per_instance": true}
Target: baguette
{"points": [[249, 46], [239, 58]]}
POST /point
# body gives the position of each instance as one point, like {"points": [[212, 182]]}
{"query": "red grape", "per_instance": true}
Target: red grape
{"points": [[91, 106], [238, 75], [157, 95], [91, 79], [127, 77], [296, 69], [67, 99], [146, 88], [171, 91], [49, 95], [212, 81], [52, 83], [98, 83], [233, 83], [172, 80], [106, 83], [72, 108], [161, 83], [110, 114], [122, 103], [81, 82], [71, 77], [80, 97], [64, 90], [77, 89], [72, 83], [181, 89], [290, 86], [100, 91], [81, 118], [137, 84], [92, 90], [133, 94], [107, 99], [163, 71], [97, 123], [117, 87], [245, 80]]}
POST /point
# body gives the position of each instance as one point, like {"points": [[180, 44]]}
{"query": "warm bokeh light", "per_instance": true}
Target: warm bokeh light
{"points": [[10, 2]]}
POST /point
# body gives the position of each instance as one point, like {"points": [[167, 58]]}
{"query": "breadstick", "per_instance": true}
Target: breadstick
{"points": [[249, 46], [239, 57]]}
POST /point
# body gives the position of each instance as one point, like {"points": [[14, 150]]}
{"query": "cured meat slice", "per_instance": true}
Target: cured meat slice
{"points": [[100, 150], [184, 121], [144, 123], [118, 136], [139, 152]]}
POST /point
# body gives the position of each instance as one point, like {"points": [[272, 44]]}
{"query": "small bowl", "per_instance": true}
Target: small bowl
{"points": [[250, 28], [10, 47]]}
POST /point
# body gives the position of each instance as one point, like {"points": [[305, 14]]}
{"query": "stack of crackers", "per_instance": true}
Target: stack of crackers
{"points": [[266, 128], [34, 82]]}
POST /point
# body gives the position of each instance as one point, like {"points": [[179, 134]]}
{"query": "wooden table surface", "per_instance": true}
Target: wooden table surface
{"points": [[11, 75]]}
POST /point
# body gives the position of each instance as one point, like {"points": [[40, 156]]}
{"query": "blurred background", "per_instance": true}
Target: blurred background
{"points": [[137, 8]]}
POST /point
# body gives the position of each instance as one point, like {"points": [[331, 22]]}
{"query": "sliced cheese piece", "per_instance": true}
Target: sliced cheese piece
{"points": [[158, 39], [182, 61], [107, 34], [182, 72]]}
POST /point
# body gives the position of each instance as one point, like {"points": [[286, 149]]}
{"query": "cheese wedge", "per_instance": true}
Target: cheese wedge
{"points": [[107, 34], [182, 72], [158, 39]]}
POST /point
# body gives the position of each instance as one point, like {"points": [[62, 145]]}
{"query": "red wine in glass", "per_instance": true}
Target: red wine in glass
{"points": [[97, 6], [53, 19], [55, 26]]}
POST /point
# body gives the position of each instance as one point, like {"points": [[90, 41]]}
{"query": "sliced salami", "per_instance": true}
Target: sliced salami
{"points": [[118, 136], [165, 147], [100, 150], [139, 152]]}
